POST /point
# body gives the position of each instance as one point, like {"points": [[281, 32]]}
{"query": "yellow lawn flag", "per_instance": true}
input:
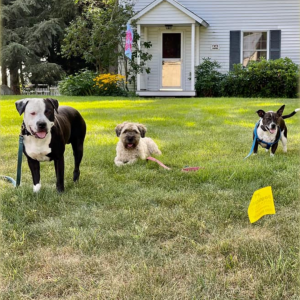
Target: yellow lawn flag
{"points": [[261, 204]]}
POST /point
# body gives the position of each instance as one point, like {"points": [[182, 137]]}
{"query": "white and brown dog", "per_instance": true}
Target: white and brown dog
{"points": [[270, 129], [133, 144]]}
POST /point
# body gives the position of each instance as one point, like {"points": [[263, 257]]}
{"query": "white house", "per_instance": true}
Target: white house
{"points": [[184, 32]]}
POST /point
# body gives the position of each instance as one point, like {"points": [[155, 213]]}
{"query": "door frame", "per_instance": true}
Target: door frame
{"points": [[182, 59]]}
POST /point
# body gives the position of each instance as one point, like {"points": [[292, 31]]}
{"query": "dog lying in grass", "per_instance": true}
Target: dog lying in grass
{"points": [[133, 144]]}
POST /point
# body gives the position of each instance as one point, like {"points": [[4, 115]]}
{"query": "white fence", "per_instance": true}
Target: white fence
{"points": [[41, 89]]}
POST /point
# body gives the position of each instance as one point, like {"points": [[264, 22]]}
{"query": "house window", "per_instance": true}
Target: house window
{"points": [[255, 46]]}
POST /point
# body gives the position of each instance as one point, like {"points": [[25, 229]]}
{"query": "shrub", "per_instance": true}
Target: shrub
{"points": [[80, 84], [89, 83], [208, 79], [235, 83], [110, 84], [265, 78]]}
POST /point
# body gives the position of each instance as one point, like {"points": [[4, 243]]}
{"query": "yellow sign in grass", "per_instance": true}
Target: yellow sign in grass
{"points": [[261, 204]]}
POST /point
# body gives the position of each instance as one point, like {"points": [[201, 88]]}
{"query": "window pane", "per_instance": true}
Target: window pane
{"points": [[255, 41], [171, 45], [253, 55], [261, 54]]}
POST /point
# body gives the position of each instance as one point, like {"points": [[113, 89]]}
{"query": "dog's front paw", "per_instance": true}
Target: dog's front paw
{"points": [[272, 154], [76, 175], [36, 188], [119, 163]]}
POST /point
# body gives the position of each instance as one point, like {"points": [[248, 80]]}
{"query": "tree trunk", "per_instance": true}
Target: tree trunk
{"points": [[14, 81], [4, 75], [126, 73], [22, 78]]}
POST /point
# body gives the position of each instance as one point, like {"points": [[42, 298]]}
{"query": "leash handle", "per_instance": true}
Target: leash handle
{"points": [[19, 166], [188, 169], [9, 179]]}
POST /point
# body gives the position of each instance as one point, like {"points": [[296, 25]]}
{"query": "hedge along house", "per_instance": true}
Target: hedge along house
{"points": [[184, 32]]}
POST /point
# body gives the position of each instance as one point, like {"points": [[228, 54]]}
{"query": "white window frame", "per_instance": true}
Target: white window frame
{"points": [[242, 43]]}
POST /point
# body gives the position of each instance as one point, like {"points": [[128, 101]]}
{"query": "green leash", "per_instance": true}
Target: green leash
{"points": [[20, 155], [19, 165]]}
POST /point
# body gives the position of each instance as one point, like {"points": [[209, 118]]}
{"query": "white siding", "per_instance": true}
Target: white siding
{"points": [[167, 13], [224, 16]]}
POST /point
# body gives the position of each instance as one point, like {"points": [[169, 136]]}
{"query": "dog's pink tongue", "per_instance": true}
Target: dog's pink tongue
{"points": [[272, 131], [129, 145], [41, 134]]}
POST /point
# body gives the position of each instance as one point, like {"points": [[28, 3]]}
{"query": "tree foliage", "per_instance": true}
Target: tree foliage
{"points": [[98, 36], [31, 31]]}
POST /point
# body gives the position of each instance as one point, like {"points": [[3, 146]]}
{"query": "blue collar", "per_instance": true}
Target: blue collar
{"points": [[269, 145], [257, 139]]}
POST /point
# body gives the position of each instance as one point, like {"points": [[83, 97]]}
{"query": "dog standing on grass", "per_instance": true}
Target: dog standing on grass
{"points": [[46, 130], [133, 144], [271, 128]]}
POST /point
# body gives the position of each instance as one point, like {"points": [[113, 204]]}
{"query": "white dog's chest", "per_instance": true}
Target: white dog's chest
{"points": [[266, 137], [38, 148]]}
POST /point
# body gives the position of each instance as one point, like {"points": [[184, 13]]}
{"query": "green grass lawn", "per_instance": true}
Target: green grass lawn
{"points": [[142, 232]]}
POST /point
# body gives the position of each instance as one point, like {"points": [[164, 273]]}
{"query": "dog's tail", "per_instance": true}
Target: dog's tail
{"points": [[291, 114]]}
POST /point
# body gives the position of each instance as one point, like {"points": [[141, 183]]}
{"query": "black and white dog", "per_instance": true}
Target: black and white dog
{"points": [[270, 129], [46, 129]]}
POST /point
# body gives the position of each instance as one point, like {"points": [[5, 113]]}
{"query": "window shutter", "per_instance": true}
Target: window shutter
{"points": [[275, 44], [235, 48]]}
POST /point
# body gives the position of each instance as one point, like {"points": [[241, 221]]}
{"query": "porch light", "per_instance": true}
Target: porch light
{"points": [[168, 26]]}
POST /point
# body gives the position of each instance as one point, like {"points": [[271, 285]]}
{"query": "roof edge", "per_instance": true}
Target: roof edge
{"points": [[179, 6]]}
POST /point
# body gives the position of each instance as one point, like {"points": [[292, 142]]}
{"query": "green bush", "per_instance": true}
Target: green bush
{"points": [[80, 84], [86, 83], [265, 78], [208, 79]]}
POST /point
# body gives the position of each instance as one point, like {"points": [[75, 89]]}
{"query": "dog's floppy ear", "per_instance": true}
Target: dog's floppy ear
{"points": [[119, 128], [261, 113], [53, 102], [142, 130], [280, 110], [21, 105]]}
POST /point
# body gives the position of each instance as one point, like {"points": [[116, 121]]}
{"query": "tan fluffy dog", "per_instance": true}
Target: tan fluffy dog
{"points": [[133, 144]]}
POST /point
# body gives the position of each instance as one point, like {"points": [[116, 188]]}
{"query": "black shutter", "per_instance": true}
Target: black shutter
{"points": [[235, 48], [275, 44]]}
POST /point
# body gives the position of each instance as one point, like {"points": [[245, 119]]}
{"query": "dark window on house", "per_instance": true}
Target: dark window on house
{"points": [[171, 45]]}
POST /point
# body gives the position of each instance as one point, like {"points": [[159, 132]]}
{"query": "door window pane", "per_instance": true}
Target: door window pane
{"points": [[171, 45]]}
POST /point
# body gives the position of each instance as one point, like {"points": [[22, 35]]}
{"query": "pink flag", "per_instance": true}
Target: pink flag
{"points": [[128, 41]]}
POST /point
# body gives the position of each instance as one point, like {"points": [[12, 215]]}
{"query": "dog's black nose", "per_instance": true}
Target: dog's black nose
{"points": [[273, 126], [41, 125]]}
